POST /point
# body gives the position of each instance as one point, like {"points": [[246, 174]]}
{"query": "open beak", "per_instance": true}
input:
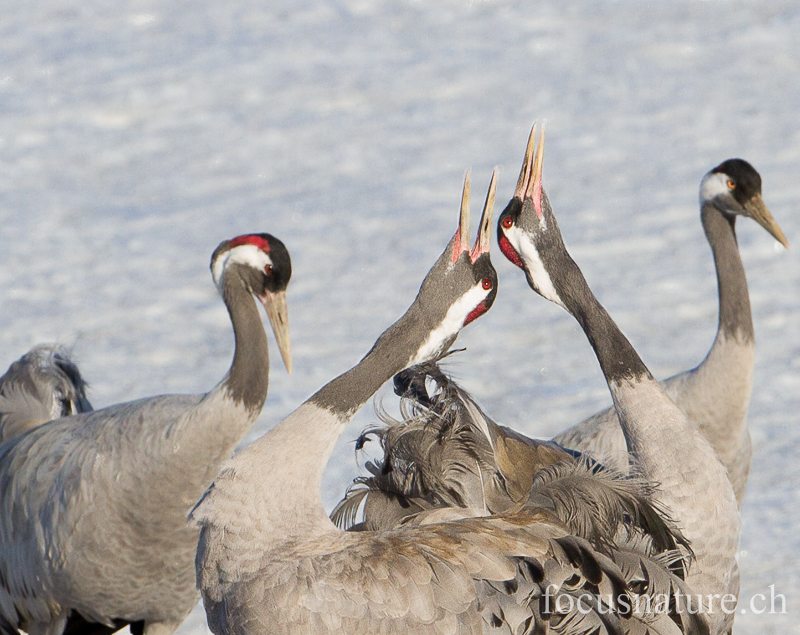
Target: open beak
{"points": [[758, 212], [278, 314], [529, 184], [527, 164], [462, 235], [534, 190], [484, 240]]}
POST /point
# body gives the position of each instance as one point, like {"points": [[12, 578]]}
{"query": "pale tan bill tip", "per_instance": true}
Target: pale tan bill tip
{"points": [[537, 164], [286, 356], [525, 172], [760, 213], [778, 234], [488, 205], [536, 171], [483, 240]]}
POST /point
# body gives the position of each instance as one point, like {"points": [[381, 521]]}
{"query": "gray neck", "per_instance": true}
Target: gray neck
{"points": [[667, 449], [391, 353], [735, 318], [248, 378], [617, 357], [291, 458]]}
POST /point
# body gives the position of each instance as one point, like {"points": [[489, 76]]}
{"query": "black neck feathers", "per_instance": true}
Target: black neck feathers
{"points": [[618, 359]]}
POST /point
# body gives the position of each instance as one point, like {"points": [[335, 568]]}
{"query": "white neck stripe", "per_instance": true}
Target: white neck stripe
{"points": [[524, 246], [451, 324]]}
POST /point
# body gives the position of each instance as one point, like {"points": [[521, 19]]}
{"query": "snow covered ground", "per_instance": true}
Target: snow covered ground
{"points": [[134, 137]]}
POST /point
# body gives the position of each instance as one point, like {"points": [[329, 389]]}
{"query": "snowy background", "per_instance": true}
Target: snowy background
{"points": [[135, 137]]}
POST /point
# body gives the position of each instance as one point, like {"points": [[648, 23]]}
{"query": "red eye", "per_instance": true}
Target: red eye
{"points": [[268, 270], [486, 283], [508, 222]]}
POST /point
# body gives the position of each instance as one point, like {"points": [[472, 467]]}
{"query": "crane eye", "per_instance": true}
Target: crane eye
{"points": [[508, 222], [268, 270], [731, 184], [486, 283]]}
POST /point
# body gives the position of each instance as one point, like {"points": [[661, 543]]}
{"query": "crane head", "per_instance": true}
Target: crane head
{"points": [[264, 265], [462, 284], [527, 231], [734, 187]]}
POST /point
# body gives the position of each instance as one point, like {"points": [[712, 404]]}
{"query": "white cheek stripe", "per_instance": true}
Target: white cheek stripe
{"points": [[712, 186], [533, 264], [244, 255], [451, 324]]}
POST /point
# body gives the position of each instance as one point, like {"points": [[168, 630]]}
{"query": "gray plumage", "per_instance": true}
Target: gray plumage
{"points": [[469, 575], [93, 507], [664, 446], [270, 561], [714, 395], [41, 385], [447, 453]]}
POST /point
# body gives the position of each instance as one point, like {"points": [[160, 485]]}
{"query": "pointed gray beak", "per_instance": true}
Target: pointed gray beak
{"points": [[758, 211], [278, 314]]}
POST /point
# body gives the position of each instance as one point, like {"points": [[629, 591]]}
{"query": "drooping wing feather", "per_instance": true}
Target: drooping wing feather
{"points": [[595, 503], [617, 514], [661, 598], [381, 509]]}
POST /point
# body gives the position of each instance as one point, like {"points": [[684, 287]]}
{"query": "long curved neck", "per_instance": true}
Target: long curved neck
{"points": [[666, 448], [624, 370], [618, 359], [345, 394], [653, 426], [247, 381], [293, 455], [206, 434], [735, 318]]}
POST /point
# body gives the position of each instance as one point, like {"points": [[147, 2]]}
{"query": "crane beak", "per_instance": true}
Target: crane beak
{"points": [[527, 166], [484, 240], [758, 211], [534, 188], [278, 314], [462, 235]]}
